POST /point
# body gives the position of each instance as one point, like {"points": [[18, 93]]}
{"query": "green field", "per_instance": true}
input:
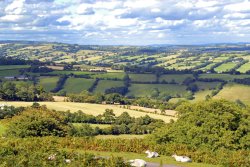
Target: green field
{"points": [[93, 109], [208, 67], [234, 92], [201, 95], [12, 67], [77, 85], [101, 75], [111, 75], [101, 126], [142, 77], [70, 72], [164, 159], [207, 85], [244, 68], [178, 78], [142, 90], [48, 83], [225, 67], [226, 77], [5, 73], [106, 84]]}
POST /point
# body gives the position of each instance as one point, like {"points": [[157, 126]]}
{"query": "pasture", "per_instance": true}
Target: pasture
{"points": [[162, 159], [5, 73], [106, 84], [225, 67], [12, 67], [201, 95], [93, 109], [225, 77], [244, 68], [48, 83], [77, 85], [142, 90], [207, 85], [109, 75], [234, 92], [178, 78], [142, 77], [59, 72]]}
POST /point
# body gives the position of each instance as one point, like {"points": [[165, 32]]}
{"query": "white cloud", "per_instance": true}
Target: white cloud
{"points": [[16, 7], [135, 21], [239, 7]]}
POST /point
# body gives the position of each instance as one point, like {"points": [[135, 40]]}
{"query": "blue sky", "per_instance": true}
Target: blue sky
{"points": [[128, 22]]}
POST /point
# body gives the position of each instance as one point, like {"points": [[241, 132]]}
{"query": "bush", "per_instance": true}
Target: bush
{"points": [[37, 122], [213, 124]]}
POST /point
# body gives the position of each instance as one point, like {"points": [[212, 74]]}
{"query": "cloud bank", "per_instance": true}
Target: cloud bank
{"points": [[133, 22]]}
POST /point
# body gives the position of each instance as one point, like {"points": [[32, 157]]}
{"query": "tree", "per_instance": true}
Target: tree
{"points": [[124, 118], [37, 122], [109, 116], [155, 93], [114, 98], [213, 124], [8, 91], [192, 87]]}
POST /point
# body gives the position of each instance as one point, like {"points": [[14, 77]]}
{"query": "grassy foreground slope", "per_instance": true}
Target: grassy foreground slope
{"points": [[158, 160], [93, 109]]}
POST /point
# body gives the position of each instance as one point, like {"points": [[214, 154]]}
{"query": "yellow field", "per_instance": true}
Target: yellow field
{"points": [[93, 109], [201, 95], [152, 110], [235, 91]]}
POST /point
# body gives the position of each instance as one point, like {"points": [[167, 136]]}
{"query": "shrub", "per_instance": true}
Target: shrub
{"points": [[37, 122]]}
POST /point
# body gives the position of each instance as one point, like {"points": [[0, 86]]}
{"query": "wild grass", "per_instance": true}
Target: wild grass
{"points": [[162, 159]]}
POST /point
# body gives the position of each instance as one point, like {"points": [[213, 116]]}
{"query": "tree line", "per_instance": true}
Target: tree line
{"points": [[23, 92], [40, 121]]}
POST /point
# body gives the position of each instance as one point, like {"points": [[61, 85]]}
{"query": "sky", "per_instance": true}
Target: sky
{"points": [[126, 22]]}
